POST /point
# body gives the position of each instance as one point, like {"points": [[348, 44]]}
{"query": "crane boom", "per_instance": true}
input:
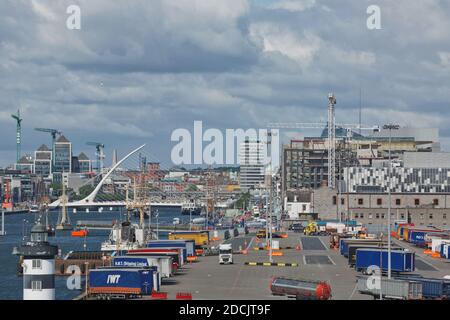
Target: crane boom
{"points": [[99, 153], [18, 133], [53, 133]]}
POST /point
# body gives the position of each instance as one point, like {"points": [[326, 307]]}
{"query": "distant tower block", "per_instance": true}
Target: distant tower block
{"points": [[38, 265], [114, 158]]}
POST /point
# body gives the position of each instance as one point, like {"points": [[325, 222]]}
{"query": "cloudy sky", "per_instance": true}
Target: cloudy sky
{"points": [[139, 69]]}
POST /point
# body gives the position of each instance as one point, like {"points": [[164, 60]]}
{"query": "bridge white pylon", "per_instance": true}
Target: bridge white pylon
{"points": [[90, 198]]}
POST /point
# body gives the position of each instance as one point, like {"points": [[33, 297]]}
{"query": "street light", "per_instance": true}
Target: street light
{"points": [[390, 127]]}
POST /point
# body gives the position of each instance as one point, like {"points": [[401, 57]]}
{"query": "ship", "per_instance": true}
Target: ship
{"points": [[126, 236]]}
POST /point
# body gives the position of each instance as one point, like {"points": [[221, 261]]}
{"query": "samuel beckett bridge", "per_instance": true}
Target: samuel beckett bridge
{"points": [[131, 184]]}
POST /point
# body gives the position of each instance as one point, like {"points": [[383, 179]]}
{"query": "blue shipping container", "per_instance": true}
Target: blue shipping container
{"points": [[417, 237], [432, 288], [154, 269], [104, 279], [445, 251], [401, 260]]}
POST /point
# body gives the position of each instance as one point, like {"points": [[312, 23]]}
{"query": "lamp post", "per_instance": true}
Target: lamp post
{"points": [[389, 127]]}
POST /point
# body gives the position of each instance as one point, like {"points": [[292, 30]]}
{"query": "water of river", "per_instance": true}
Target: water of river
{"points": [[11, 284]]}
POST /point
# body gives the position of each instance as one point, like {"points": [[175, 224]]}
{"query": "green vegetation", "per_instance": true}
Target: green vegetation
{"points": [[243, 201]]}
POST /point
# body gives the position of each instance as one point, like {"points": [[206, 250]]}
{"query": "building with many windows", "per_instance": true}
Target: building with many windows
{"points": [[84, 163], [43, 161], [252, 164], [63, 155]]}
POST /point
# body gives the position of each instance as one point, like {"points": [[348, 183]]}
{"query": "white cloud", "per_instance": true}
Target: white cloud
{"points": [[293, 5], [444, 58], [279, 39]]}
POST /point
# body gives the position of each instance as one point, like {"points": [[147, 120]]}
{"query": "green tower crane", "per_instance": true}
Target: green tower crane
{"points": [[18, 132]]}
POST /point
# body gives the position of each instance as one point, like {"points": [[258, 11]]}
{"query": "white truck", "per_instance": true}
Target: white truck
{"points": [[225, 253]]}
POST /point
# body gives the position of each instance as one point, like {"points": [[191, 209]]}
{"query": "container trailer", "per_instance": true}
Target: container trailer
{"points": [[396, 289], [352, 250], [407, 232], [345, 243], [402, 260], [160, 251], [154, 269], [436, 244], [164, 264], [437, 289], [445, 251], [300, 289], [201, 238], [189, 245], [121, 283]]}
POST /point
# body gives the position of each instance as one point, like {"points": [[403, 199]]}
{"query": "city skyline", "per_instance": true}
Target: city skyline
{"points": [[234, 64]]}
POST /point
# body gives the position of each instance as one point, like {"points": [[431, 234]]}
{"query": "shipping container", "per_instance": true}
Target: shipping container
{"points": [[188, 244], [446, 251], [160, 251], [164, 264], [201, 238], [115, 281], [154, 269], [353, 247], [401, 260], [390, 288], [407, 231], [181, 247], [417, 237], [345, 243], [432, 288], [436, 244]]}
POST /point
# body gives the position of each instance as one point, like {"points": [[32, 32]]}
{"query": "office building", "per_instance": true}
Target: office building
{"points": [[43, 161], [252, 164], [63, 155]]}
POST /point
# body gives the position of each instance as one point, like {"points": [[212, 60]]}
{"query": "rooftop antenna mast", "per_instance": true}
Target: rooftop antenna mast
{"points": [[18, 133], [360, 106], [331, 142]]}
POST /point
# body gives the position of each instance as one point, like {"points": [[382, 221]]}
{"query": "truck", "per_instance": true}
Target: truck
{"points": [[402, 260], [395, 289], [300, 289], [225, 253], [120, 283]]}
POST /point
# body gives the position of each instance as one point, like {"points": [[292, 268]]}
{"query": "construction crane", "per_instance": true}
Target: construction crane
{"points": [[18, 133], [99, 153], [331, 142], [331, 124], [53, 133]]}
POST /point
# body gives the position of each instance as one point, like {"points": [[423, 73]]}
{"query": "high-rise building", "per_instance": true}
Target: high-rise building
{"points": [[43, 161], [25, 164], [84, 163], [252, 163], [63, 155]]}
